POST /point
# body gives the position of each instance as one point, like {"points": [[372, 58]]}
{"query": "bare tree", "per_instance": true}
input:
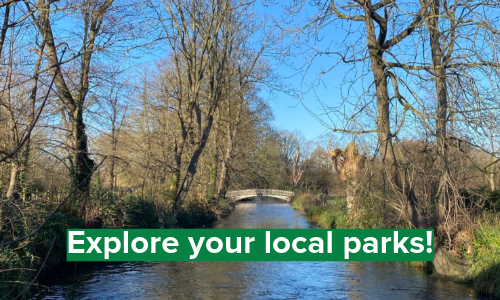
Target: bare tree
{"points": [[214, 68], [249, 73], [201, 35], [458, 57], [74, 100], [18, 99]]}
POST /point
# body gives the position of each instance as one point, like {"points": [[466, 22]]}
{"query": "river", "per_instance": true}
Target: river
{"points": [[254, 280]]}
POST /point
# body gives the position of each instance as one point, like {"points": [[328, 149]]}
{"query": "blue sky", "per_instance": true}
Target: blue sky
{"points": [[289, 111]]}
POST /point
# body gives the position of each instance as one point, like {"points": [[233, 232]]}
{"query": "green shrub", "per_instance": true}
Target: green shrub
{"points": [[313, 213], [328, 219], [54, 230], [13, 280], [483, 197], [195, 213], [485, 257], [198, 213], [139, 212], [20, 261], [331, 215]]}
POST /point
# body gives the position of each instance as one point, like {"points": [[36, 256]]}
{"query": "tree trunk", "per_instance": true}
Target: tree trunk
{"points": [[442, 111], [351, 200], [224, 173], [492, 177], [349, 164], [12, 190], [192, 169], [492, 163], [231, 136], [212, 185], [444, 262], [113, 149], [176, 172], [26, 153], [82, 165]]}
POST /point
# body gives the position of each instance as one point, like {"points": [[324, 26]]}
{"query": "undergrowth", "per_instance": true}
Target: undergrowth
{"points": [[20, 262]]}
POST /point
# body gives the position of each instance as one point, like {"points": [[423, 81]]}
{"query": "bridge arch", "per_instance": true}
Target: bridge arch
{"points": [[242, 194]]}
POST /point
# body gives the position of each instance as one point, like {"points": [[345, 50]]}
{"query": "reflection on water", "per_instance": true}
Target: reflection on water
{"points": [[249, 280], [264, 213]]}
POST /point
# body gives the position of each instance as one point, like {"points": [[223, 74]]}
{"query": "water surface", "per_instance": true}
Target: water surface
{"points": [[255, 280]]}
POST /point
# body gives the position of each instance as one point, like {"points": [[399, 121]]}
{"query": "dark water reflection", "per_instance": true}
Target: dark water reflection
{"points": [[250, 280]]}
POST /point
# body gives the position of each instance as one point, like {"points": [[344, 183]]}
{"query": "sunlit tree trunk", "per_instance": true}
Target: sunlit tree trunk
{"points": [[349, 164]]}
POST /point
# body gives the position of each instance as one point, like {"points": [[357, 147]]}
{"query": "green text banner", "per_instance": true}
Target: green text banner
{"points": [[250, 245]]}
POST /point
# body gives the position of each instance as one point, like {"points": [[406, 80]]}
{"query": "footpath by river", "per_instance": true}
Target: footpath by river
{"points": [[254, 280]]}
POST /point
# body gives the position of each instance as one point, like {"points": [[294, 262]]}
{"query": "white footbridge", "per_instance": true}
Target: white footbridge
{"points": [[244, 194]]}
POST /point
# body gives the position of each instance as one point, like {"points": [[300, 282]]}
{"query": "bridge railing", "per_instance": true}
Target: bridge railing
{"points": [[259, 192]]}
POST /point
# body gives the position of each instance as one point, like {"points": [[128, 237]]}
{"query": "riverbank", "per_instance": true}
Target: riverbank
{"points": [[19, 263], [481, 247]]}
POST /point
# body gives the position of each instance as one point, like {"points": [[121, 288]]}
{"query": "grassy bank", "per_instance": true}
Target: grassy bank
{"points": [[481, 247], [332, 214], [484, 253], [20, 262]]}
